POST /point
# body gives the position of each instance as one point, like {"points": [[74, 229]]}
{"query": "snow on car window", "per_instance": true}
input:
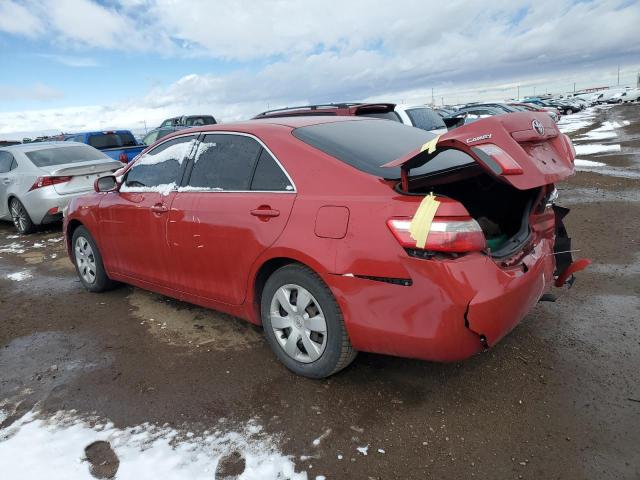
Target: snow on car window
{"points": [[159, 169]]}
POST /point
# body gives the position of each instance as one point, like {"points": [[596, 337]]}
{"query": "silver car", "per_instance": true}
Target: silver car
{"points": [[37, 180]]}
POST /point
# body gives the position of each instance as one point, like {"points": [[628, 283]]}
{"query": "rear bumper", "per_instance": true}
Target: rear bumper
{"points": [[39, 202], [452, 310]]}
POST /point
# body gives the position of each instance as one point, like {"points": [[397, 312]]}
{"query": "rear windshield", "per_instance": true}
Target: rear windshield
{"points": [[391, 115], [112, 140], [369, 144], [425, 118], [62, 155]]}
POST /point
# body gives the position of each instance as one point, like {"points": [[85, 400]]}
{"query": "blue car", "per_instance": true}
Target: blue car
{"points": [[117, 144]]}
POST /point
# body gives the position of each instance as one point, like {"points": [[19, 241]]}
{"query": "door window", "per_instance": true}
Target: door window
{"points": [[160, 168], [224, 163]]}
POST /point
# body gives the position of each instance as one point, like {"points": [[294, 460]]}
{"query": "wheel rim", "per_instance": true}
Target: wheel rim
{"points": [[298, 323], [19, 216], [85, 260]]}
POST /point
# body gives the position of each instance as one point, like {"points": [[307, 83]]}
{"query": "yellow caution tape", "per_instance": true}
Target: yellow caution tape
{"points": [[421, 223], [430, 146]]}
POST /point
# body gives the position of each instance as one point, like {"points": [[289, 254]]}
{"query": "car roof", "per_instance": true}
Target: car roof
{"points": [[329, 109], [31, 146]]}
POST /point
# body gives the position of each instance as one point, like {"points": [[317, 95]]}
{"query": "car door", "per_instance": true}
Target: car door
{"points": [[7, 178], [234, 204], [133, 220]]}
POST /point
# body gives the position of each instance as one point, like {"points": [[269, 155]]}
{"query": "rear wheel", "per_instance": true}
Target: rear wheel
{"points": [[303, 323], [569, 111], [20, 217], [88, 262]]}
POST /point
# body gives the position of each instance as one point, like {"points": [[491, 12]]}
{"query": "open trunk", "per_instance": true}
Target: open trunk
{"points": [[501, 210]]}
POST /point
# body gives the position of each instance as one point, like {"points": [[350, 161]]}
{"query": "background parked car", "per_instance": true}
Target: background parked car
{"points": [[551, 111], [37, 180], [630, 95], [157, 133], [120, 145], [189, 121], [419, 116]]}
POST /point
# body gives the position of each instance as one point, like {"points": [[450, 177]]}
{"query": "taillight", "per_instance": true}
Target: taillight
{"points": [[48, 181], [447, 234], [499, 161], [123, 158]]}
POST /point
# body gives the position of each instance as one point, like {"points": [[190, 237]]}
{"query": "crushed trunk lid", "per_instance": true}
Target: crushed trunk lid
{"points": [[523, 149]]}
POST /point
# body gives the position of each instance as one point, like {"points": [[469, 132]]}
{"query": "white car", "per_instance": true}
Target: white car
{"points": [[37, 180], [422, 117], [630, 95]]}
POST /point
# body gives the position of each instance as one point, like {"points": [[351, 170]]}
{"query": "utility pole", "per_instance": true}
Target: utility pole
{"points": [[442, 99], [432, 100], [618, 74], [518, 92], [534, 91], [574, 87]]}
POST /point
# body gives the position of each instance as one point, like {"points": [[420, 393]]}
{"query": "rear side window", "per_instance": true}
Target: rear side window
{"points": [[269, 176], [425, 118], [369, 144], [62, 155], [150, 137], [6, 162], [112, 140], [196, 121], [160, 166], [224, 162]]}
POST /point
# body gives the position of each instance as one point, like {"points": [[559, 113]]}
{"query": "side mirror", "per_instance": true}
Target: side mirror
{"points": [[108, 183]]}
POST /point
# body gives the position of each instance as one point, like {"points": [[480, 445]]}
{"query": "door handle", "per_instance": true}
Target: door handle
{"points": [[6, 181], [265, 212], [159, 208]]}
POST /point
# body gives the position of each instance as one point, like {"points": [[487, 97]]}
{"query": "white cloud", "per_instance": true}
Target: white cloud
{"points": [[17, 19], [72, 60]]}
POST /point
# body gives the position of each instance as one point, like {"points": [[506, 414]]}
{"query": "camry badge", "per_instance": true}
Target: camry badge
{"points": [[538, 127]]}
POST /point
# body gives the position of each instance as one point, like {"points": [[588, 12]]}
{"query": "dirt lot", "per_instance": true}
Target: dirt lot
{"points": [[558, 398]]}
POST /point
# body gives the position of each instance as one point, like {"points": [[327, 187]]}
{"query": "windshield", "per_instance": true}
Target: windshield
{"points": [[369, 144], [425, 118], [48, 157]]}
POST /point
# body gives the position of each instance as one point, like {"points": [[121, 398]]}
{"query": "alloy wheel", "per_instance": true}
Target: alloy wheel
{"points": [[19, 215], [298, 323], [85, 260]]}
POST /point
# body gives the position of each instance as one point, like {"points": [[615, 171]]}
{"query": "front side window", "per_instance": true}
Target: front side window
{"points": [[224, 162], [160, 167], [6, 161]]}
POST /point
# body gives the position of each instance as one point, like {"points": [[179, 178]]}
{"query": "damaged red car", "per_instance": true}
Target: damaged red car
{"points": [[324, 230]]}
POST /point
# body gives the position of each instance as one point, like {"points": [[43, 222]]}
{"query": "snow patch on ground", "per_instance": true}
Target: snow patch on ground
{"points": [[363, 450], [588, 163], [593, 148], [15, 247], [607, 130], [37, 447], [19, 276]]}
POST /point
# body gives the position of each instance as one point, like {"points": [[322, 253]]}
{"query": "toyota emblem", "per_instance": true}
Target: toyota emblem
{"points": [[538, 127]]}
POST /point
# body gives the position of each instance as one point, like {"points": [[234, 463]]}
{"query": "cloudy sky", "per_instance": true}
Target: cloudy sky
{"points": [[84, 64]]}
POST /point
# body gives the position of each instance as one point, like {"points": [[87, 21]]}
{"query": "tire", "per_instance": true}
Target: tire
{"points": [[569, 111], [298, 340], [21, 219], [88, 262]]}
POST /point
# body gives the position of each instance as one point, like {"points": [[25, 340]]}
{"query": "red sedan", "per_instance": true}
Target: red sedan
{"points": [[324, 231]]}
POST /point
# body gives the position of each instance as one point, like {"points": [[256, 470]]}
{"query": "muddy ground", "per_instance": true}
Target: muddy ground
{"points": [[557, 398]]}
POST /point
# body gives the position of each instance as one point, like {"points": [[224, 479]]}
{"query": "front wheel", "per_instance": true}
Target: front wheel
{"points": [[303, 323], [21, 219], [88, 262]]}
